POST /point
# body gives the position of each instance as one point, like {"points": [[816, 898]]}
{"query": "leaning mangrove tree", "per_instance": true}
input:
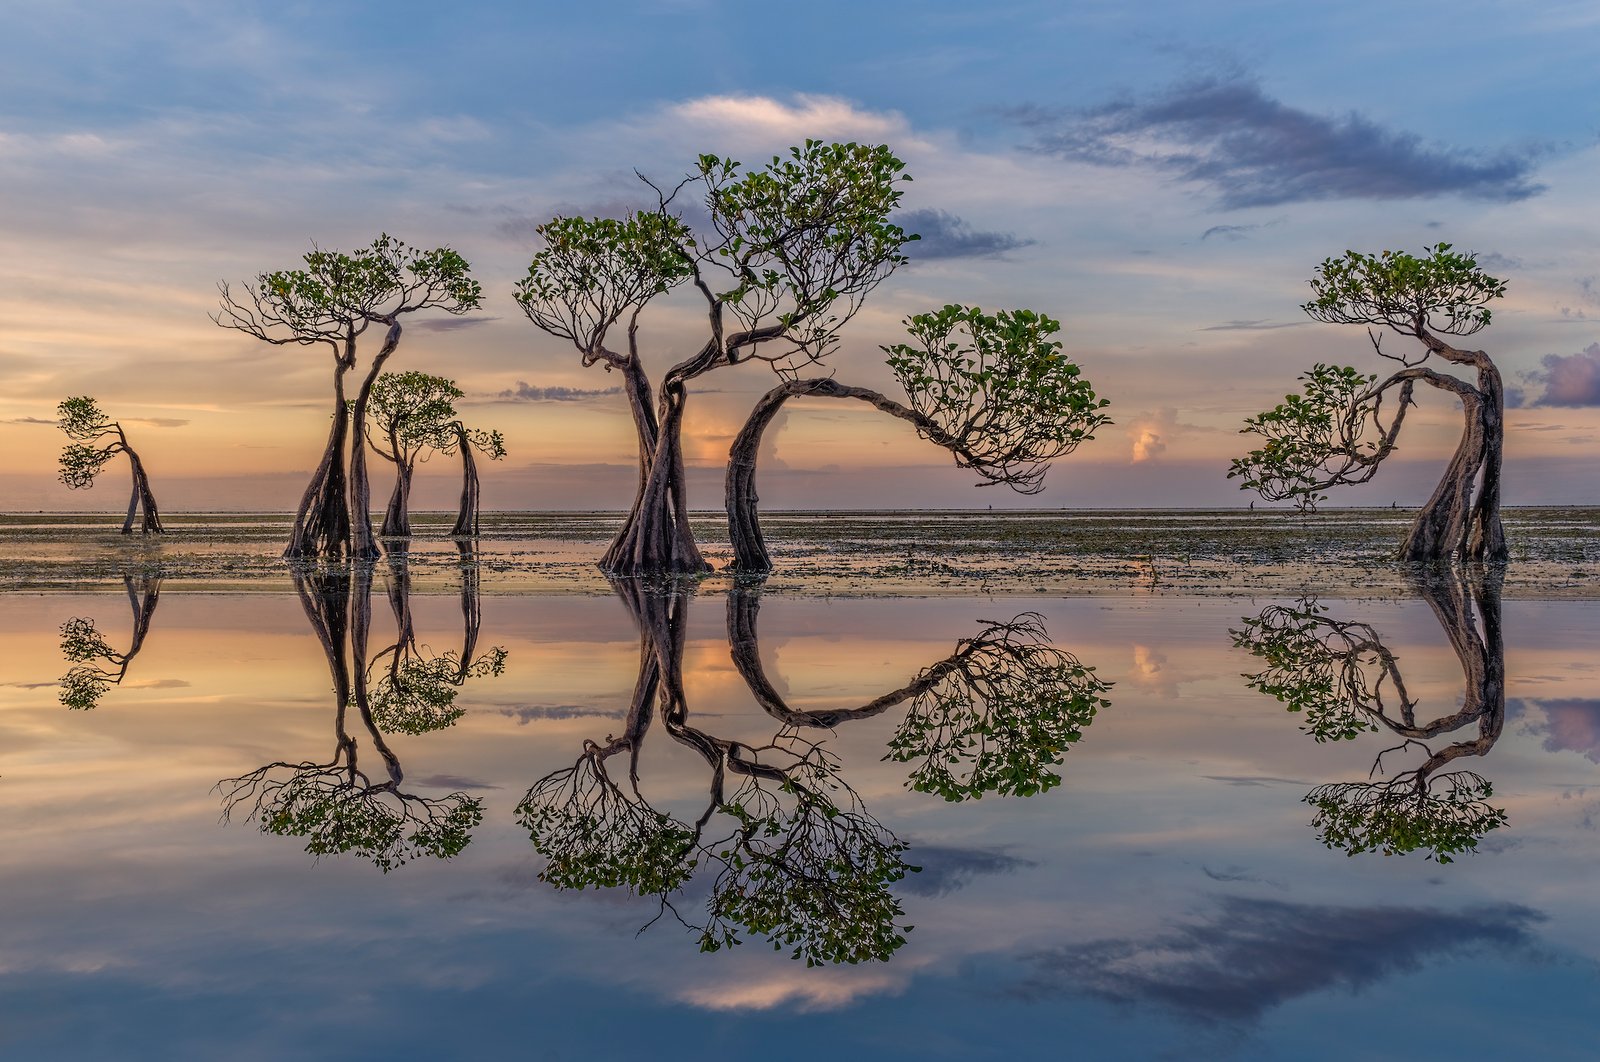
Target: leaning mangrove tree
{"points": [[96, 439]]}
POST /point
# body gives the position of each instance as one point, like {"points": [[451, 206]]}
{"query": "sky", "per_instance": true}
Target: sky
{"points": [[1163, 178]]}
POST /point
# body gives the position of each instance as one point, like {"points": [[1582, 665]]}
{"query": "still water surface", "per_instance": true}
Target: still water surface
{"points": [[232, 845]]}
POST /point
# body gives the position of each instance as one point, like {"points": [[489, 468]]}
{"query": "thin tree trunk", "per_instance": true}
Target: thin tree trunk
{"points": [[471, 609], [750, 555], [141, 495], [397, 517], [467, 517], [363, 544]]}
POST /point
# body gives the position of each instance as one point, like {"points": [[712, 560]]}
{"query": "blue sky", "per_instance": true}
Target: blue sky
{"points": [[1161, 177]]}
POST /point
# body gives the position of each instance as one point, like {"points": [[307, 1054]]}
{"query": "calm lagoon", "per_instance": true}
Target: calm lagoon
{"points": [[1171, 896]]}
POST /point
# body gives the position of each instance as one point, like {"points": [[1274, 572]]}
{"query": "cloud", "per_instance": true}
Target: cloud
{"points": [[1253, 150], [157, 422], [30, 420], [1230, 233], [818, 117], [450, 781], [527, 715], [1570, 379], [1251, 326], [1249, 956], [526, 392], [1150, 435], [946, 870], [944, 235], [449, 324], [1570, 724]]}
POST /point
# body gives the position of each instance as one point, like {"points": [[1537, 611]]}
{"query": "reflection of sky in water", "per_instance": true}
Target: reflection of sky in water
{"points": [[1168, 898]]}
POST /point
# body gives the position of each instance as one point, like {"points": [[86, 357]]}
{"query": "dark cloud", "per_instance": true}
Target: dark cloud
{"points": [[1571, 724], [1253, 150], [527, 715], [1230, 233], [449, 324], [1250, 956], [450, 781], [946, 870], [1253, 779], [1241, 875], [1570, 379], [1502, 262], [30, 420], [526, 392], [1251, 326], [944, 235]]}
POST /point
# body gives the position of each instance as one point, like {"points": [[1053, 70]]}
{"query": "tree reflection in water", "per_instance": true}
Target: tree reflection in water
{"points": [[96, 666], [792, 853], [1347, 683], [336, 805], [992, 717], [413, 689]]}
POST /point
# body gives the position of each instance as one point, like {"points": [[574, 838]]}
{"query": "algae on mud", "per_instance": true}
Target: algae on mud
{"points": [[1555, 551]]}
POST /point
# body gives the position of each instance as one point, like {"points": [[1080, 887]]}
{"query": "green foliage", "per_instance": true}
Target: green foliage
{"points": [[1442, 291], [418, 695], [1006, 396], [593, 270], [337, 290], [412, 411], [998, 716], [807, 230], [377, 823], [82, 686], [1333, 672], [593, 834], [82, 420], [807, 874], [490, 444], [1444, 815], [1316, 439]]}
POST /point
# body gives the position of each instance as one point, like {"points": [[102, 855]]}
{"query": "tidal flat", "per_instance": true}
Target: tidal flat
{"points": [[1127, 785], [1555, 551]]}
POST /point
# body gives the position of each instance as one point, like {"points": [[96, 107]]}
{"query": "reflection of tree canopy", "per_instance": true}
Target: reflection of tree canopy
{"points": [[96, 666], [792, 854], [336, 805], [1338, 672], [416, 691], [992, 717]]}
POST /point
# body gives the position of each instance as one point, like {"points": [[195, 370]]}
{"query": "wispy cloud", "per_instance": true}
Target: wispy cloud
{"points": [[1251, 326], [1250, 956], [526, 392], [944, 235], [1253, 150], [449, 324], [946, 870]]}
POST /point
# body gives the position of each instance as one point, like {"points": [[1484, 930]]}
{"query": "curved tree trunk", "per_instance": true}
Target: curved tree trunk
{"points": [[140, 496], [744, 524], [471, 608], [363, 544], [656, 538], [1461, 521], [322, 523], [467, 517]]}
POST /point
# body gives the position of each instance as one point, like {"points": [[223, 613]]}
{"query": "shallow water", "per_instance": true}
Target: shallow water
{"points": [[1169, 896]]}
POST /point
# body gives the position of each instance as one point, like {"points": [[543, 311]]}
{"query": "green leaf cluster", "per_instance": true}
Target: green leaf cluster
{"points": [[349, 289], [413, 411], [1444, 816], [377, 823], [592, 271], [999, 387], [1001, 713], [1334, 673], [1313, 440], [1443, 290]]}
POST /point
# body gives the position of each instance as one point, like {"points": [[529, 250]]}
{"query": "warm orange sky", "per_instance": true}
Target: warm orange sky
{"points": [[132, 191]]}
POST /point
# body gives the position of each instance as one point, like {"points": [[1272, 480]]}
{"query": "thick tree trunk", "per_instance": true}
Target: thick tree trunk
{"points": [[744, 523], [656, 538], [322, 523], [467, 517], [1461, 521], [471, 608]]}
